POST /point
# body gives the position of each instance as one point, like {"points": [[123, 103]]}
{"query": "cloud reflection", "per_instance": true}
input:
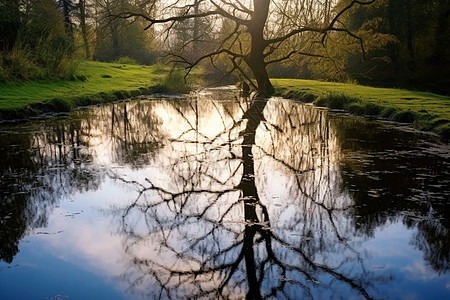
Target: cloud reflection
{"points": [[216, 196]]}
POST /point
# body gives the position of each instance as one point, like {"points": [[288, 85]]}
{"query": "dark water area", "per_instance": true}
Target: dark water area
{"points": [[217, 196]]}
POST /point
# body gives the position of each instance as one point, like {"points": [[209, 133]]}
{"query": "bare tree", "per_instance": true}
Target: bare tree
{"points": [[262, 30]]}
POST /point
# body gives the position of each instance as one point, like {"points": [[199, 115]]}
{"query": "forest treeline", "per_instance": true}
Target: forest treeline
{"points": [[395, 43], [42, 39], [406, 43]]}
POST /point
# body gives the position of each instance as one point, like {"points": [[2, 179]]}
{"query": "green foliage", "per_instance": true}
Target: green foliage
{"points": [[405, 117], [372, 109], [388, 112], [406, 43], [126, 60], [16, 65], [335, 100], [356, 108], [444, 130], [174, 82], [122, 40], [60, 105], [39, 47], [302, 95]]}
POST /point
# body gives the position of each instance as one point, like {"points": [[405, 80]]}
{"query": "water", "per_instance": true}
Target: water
{"points": [[216, 196]]}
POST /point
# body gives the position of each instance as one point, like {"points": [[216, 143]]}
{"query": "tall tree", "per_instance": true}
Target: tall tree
{"points": [[406, 41], [83, 26], [10, 22], [116, 38], [67, 8], [262, 30]]}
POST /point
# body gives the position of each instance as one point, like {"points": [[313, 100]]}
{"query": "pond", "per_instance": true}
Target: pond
{"points": [[214, 195]]}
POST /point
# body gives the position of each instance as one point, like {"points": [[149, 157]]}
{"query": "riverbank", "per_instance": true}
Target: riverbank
{"points": [[425, 111], [95, 83], [98, 83]]}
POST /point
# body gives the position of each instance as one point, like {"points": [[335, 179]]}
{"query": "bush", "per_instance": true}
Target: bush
{"points": [[67, 69], [135, 93], [175, 82], [126, 60], [389, 113], [373, 109], [60, 105], [23, 64], [120, 95], [107, 97], [405, 117], [355, 108], [335, 101], [444, 131]]}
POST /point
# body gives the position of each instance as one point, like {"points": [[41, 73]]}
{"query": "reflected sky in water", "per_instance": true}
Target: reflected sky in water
{"points": [[220, 196]]}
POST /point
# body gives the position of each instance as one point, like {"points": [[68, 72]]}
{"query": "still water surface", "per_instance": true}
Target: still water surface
{"points": [[217, 196]]}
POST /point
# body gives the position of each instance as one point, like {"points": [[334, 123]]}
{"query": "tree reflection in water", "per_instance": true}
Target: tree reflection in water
{"points": [[49, 160], [252, 209], [234, 197], [36, 170]]}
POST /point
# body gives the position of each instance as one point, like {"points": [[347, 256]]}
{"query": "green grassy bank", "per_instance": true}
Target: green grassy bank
{"points": [[95, 83], [105, 82], [425, 111]]}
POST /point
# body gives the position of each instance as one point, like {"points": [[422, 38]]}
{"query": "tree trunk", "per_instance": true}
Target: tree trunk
{"points": [[196, 35], [255, 59], [115, 40], [67, 22], [82, 7]]}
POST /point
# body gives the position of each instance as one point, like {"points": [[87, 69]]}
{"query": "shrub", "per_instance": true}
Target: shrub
{"points": [[120, 95], [335, 101], [372, 109], [444, 131], [301, 96], [67, 69], [355, 108], [389, 112], [107, 97], [135, 93], [405, 116], [126, 60], [308, 97], [175, 82], [60, 105]]}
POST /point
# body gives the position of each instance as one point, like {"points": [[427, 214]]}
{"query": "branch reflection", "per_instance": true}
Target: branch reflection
{"points": [[230, 197], [47, 161], [253, 208], [36, 169]]}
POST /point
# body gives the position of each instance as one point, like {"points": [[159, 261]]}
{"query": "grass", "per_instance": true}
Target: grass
{"points": [[426, 111], [96, 83], [105, 82]]}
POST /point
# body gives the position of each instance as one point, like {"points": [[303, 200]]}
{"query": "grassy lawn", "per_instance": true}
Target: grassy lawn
{"points": [[97, 82], [426, 111]]}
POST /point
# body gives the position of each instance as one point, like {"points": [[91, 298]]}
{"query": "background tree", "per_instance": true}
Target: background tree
{"points": [[67, 7], [82, 15], [36, 45], [117, 38], [406, 43], [34, 42], [257, 39], [9, 23]]}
